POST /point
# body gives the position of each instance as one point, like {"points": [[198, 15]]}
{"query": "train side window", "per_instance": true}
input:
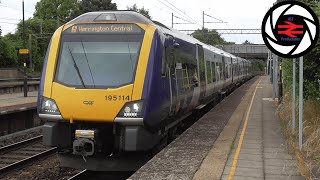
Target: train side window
{"points": [[221, 71], [202, 65], [209, 73], [213, 68], [227, 71], [164, 63]]}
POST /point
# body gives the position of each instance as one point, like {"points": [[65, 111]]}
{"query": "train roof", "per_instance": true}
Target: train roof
{"points": [[178, 34], [118, 16], [132, 16]]}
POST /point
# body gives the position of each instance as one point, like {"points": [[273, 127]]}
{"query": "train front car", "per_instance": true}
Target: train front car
{"points": [[94, 87]]}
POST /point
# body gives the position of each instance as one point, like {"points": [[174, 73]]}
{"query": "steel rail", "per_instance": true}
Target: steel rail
{"points": [[28, 159], [78, 175]]}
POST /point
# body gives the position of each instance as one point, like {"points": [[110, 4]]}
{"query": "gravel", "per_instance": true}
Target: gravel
{"points": [[48, 168], [19, 136]]}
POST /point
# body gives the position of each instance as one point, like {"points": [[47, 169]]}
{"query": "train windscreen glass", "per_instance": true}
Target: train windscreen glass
{"points": [[99, 58]]}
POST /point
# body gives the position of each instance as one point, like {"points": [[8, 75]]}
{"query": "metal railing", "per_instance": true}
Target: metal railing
{"points": [[18, 79]]}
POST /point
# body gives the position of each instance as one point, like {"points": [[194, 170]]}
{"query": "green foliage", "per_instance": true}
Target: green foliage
{"points": [[142, 10], [8, 53], [37, 25], [258, 65], [209, 37], [311, 75], [48, 16], [0, 31], [311, 66], [59, 10], [286, 66]]}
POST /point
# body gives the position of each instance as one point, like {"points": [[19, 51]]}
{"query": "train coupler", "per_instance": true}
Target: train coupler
{"points": [[84, 143]]}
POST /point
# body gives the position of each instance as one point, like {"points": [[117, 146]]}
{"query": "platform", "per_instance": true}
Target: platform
{"points": [[9, 87], [10, 103], [207, 151]]}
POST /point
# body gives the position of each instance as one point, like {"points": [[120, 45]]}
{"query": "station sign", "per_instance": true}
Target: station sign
{"points": [[23, 51]]}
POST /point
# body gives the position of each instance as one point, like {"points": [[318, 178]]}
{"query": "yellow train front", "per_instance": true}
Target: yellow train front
{"points": [[116, 82]]}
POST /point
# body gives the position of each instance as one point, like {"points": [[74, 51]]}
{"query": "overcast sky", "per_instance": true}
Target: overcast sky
{"points": [[237, 14]]}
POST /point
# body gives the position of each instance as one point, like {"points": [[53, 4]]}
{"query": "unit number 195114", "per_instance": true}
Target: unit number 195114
{"points": [[117, 98]]}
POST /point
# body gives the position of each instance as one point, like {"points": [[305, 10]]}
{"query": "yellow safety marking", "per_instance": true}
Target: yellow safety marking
{"points": [[236, 156]]}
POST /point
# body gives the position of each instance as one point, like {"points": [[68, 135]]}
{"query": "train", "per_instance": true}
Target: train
{"points": [[115, 82]]}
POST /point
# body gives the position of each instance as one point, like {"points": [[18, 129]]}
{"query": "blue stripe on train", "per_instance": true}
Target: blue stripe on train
{"points": [[156, 91]]}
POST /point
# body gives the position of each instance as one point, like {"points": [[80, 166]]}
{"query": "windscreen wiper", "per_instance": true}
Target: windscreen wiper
{"points": [[76, 67], [85, 55]]}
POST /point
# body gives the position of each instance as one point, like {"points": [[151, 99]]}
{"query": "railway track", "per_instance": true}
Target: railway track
{"points": [[111, 175], [79, 175], [22, 153]]}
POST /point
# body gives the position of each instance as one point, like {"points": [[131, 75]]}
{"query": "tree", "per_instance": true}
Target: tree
{"points": [[247, 42], [142, 10], [85, 6], [8, 53], [209, 37], [58, 10], [311, 65], [0, 31], [39, 45]]}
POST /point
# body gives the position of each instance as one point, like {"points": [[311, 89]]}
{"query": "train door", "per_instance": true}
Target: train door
{"points": [[197, 79], [172, 79]]}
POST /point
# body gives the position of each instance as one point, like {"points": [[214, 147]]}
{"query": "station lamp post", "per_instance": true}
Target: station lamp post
{"points": [[25, 88]]}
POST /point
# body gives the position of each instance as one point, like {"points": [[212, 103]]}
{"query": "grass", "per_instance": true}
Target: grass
{"points": [[309, 157], [232, 145]]}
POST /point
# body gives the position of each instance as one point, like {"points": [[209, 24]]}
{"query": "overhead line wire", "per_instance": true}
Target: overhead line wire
{"points": [[214, 18], [183, 13], [15, 9], [183, 19]]}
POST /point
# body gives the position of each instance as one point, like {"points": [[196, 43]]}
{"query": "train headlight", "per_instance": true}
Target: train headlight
{"points": [[49, 106], [132, 109], [136, 107]]}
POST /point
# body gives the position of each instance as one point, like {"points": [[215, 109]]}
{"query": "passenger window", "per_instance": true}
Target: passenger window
{"points": [[213, 66], [221, 71], [226, 70], [209, 76]]}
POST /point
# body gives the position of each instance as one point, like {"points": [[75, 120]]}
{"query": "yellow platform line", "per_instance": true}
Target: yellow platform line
{"points": [[236, 156]]}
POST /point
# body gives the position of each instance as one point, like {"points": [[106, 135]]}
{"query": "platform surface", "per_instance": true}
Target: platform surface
{"points": [[206, 152], [16, 102], [263, 152]]}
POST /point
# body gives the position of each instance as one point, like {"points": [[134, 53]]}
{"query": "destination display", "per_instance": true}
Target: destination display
{"points": [[104, 29]]}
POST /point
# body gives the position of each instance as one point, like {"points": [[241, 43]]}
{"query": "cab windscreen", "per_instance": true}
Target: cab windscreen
{"points": [[97, 58]]}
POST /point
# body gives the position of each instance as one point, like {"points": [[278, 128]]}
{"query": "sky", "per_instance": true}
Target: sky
{"points": [[239, 14]]}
